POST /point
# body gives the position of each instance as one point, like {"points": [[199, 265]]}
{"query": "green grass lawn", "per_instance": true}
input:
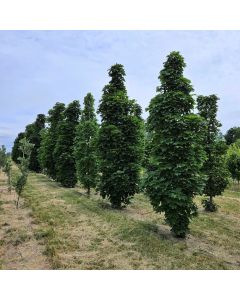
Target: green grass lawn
{"points": [[85, 233]]}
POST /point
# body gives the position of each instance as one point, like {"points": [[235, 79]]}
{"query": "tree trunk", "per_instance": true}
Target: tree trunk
{"points": [[17, 202], [88, 191], [211, 199]]}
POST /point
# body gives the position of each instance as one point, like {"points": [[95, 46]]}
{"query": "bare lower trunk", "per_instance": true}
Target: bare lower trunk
{"points": [[211, 199], [88, 191], [17, 203]]}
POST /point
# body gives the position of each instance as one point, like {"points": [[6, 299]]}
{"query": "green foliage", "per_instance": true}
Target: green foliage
{"points": [[210, 206], [174, 171], [8, 170], [32, 133], [85, 145], [64, 150], [3, 156], [16, 152], [233, 160], [120, 142], [48, 140], [215, 165], [147, 147], [42, 149], [232, 135], [26, 148]]}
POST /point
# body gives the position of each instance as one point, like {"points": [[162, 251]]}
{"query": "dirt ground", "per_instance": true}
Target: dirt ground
{"points": [[19, 250]]}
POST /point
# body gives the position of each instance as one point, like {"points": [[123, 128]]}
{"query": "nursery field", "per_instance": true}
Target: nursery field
{"points": [[62, 228]]}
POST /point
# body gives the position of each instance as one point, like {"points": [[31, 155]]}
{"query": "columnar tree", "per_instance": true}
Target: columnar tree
{"points": [[215, 165], [85, 145], [120, 141], [16, 152], [21, 180], [42, 149], [49, 139], [64, 150], [33, 135], [174, 172]]}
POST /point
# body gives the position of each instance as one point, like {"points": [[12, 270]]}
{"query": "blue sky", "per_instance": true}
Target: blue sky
{"points": [[39, 68]]}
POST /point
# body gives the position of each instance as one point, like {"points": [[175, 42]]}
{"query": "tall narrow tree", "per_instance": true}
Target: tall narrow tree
{"points": [[48, 143], [174, 173], [64, 150], [32, 133], [21, 179], [120, 141], [16, 151], [85, 145], [44, 135], [215, 166], [39, 124]]}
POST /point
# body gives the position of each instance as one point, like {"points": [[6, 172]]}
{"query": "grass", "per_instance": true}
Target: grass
{"points": [[85, 233]]}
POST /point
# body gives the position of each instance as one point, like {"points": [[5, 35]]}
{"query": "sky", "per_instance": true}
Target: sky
{"points": [[39, 68]]}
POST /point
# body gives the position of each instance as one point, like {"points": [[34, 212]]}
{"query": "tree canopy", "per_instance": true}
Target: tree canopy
{"points": [[64, 150], [85, 145], [232, 135], [215, 165], [16, 151], [49, 139], [33, 134], [174, 174], [233, 160], [120, 143]]}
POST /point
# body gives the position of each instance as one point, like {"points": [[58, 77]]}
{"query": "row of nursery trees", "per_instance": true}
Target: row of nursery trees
{"points": [[180, 153], [23, 160]]}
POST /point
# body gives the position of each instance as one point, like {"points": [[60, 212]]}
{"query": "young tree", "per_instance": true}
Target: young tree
{"points": [[85, 145], [49, 139], [26, 149], [16, 152], [3, 156], [232, 135], [8, 170], [120, 141], [64, 150], [215, 166], [174, 173]]}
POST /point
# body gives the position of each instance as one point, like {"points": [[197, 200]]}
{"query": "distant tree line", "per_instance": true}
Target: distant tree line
{"points": [[173, 156]]}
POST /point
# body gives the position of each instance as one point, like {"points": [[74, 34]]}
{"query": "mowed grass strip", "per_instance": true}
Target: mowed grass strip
{"points": [[85, 233]]}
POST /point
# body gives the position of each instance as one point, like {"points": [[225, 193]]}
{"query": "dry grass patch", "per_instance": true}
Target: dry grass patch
{"points": [[18, 248], [85, 233]]}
